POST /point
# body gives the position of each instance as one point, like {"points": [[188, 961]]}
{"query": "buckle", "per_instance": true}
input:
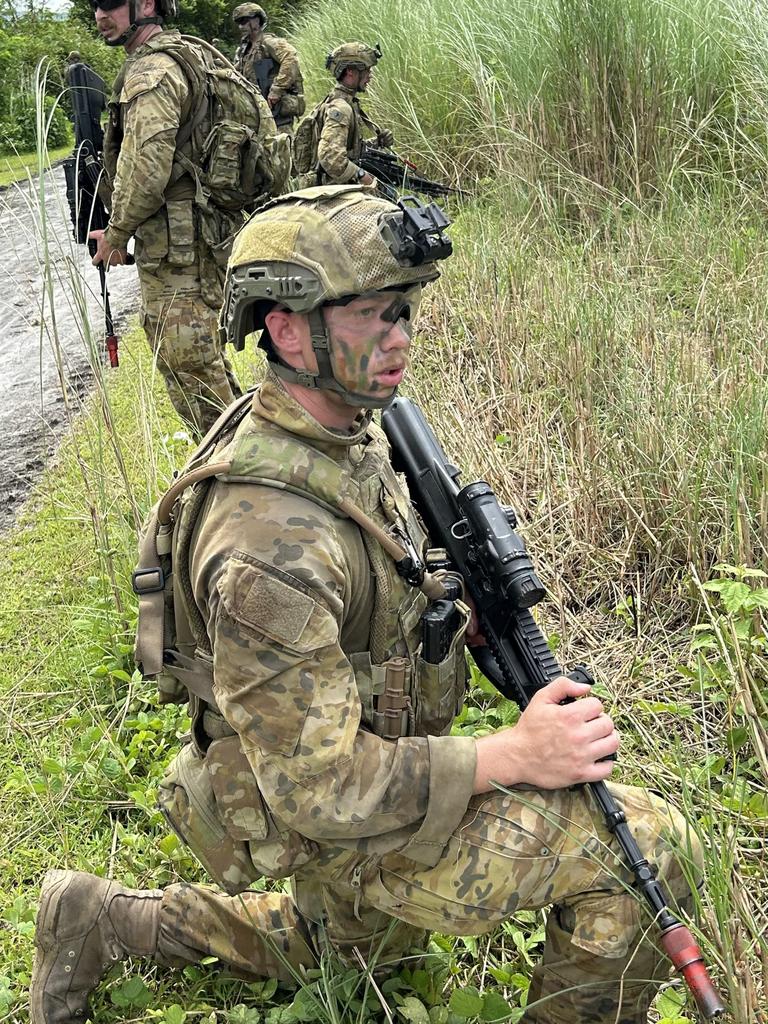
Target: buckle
{"points": [[148, 581]]}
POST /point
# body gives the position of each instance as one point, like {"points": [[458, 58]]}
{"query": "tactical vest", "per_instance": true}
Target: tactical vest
{"points": [[400, 693], [262, 70]]}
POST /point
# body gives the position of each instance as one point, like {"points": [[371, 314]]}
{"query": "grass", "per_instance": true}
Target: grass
{"points": [[597, 352], [20, 166]]}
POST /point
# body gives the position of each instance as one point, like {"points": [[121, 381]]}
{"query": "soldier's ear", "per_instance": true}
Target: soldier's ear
{"points": [[287, 330]]}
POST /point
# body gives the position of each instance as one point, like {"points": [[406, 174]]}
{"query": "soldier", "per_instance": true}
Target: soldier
{"points": [[150, 197], [300, 627], [271, 63], [341, 119]]}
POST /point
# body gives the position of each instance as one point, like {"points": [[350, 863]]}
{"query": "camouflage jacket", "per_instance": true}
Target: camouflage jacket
{"points": [[286, 73], [341, 139], [151, 99], [302, 609]]}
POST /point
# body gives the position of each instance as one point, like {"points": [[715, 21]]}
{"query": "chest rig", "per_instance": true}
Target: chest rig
{"points": [[172, 643]]}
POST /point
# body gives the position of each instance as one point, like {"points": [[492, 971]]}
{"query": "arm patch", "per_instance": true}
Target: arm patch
{"points": [[276, 604]]}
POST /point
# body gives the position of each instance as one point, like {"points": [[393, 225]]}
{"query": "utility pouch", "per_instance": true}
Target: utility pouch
{"points": [[187, 801], [441, 686], [291, 105], [215, 807], [181, 233], [234, 164], [152, 241]]}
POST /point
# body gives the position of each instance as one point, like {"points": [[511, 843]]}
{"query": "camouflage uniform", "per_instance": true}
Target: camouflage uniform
{"points": [[375, 830], [272, 64], [294, 768], [341, 136], [179, 278]]}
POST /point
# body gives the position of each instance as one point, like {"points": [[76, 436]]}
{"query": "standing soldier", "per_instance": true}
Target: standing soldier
{"points": [[158, 114], [296, 638], [335, 126], [271, 63]]}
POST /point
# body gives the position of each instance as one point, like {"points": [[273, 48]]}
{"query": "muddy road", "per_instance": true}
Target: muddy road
{"points": [[45, 282]]}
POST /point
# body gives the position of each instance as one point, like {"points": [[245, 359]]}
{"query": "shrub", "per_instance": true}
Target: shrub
{"points": [[18, 131]]}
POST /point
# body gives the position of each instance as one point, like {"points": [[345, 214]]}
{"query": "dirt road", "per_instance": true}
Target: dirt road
{"points": [[44, 347]]}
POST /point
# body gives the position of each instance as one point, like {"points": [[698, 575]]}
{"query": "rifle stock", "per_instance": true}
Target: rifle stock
{"points": [[481, 543]]}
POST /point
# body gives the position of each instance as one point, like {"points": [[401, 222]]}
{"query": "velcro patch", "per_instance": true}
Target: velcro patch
{"points": [[140, 82], [335, 115], [276, 605]]}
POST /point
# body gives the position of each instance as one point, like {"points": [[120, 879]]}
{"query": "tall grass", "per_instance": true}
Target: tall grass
{"points": [[621, 94]]}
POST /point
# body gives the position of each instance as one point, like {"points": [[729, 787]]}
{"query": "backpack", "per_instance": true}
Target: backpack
{"points": [[306, 141], [227, 144]]}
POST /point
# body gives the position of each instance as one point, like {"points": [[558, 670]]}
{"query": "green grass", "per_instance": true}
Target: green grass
{"points": [[21, 166]]}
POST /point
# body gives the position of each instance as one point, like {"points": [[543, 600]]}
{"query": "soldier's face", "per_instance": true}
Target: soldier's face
{"points": [[371, 339], [112, 19], [248, 25]]}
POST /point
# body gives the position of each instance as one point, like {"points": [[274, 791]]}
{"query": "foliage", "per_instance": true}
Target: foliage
{"points": [[621, 96], [39, 35], [18, 130]]}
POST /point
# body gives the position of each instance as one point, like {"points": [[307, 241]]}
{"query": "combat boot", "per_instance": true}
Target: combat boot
{"points": [[85, 925]]}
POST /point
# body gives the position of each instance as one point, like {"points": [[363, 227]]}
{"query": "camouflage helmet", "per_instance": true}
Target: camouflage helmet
{"points": [[243, 11], [321, 245], [352, 55]]}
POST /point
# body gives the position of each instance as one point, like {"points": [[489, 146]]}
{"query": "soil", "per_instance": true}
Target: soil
{"points": [[43, 350]]}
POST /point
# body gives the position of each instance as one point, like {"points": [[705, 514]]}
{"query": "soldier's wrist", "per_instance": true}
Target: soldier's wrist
{"points": [[117, 239]]}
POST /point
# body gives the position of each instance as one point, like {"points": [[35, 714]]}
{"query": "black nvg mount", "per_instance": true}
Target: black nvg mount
{"points": [[416, 234]]}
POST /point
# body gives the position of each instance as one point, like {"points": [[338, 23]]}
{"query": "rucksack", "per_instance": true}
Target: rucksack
{"points": [[306, 141], [223, 145]]}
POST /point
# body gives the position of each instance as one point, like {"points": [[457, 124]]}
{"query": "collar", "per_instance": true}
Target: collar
{"points": [[345, 92], [273, 403], [158, 37]]}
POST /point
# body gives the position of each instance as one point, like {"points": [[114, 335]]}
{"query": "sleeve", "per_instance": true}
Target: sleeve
{"points": [[153, 97], [287, 59], [284, 684], [332, 147]]}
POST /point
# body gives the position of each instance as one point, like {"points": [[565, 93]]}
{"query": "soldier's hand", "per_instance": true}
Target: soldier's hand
{"points": [[106, 253], [385, 138], [367, 179], [553, 745], [273, 101]]}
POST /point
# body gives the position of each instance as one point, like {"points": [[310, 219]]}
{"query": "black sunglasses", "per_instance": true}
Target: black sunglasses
{"points": [[107, 5]]}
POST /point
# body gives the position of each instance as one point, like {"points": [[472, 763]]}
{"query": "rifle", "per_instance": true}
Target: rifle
{"points": [[82, 172], [480, 542], [394, 172]]}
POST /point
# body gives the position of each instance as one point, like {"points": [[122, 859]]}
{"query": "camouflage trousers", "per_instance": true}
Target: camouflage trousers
{"points": [[181, 330], [530, 850]]}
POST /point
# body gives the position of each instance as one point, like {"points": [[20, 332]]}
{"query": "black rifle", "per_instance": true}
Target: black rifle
{"points": [[481, 544], [82, 172], [393, 172]]}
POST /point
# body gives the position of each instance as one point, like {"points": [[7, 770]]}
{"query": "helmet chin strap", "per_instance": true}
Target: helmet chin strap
{"points": [[324, 379]]}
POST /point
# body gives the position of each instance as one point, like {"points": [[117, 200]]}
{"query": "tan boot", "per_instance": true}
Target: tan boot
{"points": [[85, 924]]}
